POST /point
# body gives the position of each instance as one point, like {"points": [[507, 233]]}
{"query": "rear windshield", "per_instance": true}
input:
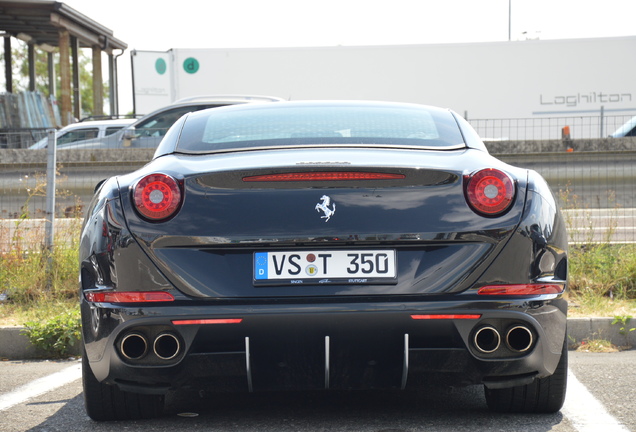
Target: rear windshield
{"points": [[305, 125]]}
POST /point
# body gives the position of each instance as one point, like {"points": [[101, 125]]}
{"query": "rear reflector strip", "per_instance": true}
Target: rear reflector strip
{"points": [[129, 297], [208, 321], [323, 176], [521, 290], [446, 316]]}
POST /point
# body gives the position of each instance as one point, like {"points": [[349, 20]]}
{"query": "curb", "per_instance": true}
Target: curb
{"points": [[580, 329], [16, 346]]}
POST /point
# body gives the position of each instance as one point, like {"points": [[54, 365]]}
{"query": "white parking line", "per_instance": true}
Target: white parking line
{"points": [[40, 386], [585, 412], [582, 409]]}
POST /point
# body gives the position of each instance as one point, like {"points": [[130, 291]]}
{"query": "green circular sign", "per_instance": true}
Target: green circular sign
{"points": [[160, 66], [191, 65]]}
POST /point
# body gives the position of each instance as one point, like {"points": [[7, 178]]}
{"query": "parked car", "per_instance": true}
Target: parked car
{"points": [[626, 130], [82, 131], [322, 245], [148, 131]]}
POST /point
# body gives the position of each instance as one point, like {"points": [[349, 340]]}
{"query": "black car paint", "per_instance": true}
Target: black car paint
{"points": [[119, 260]]}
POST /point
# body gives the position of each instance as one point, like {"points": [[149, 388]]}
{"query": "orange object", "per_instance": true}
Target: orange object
{"points": [[565, 133]]}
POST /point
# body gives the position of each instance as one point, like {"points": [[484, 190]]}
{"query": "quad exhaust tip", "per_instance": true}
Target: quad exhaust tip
{"points": [[487, 339], [166, 346], [133, 346], [519, 338]]}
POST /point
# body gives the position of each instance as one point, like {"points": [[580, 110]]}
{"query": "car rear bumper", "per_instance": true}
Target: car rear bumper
{"points": [[318, 346]]}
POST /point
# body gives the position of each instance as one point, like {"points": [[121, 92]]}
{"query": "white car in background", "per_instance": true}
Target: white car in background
{"points": [[87, 130], [627, 130], [148, 131]]}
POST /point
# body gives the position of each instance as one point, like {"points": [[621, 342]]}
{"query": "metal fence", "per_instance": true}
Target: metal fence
{"points": [[596, 188], [90, 135], [541, 128], [20, 138]]}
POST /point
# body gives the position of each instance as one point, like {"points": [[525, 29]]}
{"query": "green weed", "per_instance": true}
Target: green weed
{"points": [[56, 335]]}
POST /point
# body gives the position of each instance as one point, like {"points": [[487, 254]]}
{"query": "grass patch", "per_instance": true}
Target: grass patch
{"points": [[36, 284], [602, 280], [603, 270], [599, 307], [597, 346]]}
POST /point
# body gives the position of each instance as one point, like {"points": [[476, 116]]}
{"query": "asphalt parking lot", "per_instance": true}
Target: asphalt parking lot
{"points": [[47, 396]]}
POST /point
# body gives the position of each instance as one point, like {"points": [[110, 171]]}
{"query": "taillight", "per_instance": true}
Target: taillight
{"points": [[157, 196], [129, 297], [490, 192], [521, 289]]}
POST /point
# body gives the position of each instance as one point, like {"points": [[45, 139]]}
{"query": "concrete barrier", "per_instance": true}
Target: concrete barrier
{"points": [[141, 156]]}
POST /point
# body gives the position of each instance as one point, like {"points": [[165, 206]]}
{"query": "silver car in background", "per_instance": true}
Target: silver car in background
{"points": [[148, 131], [77, 133]]}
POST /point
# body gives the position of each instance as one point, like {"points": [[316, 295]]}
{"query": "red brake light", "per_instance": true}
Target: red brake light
{"points": [[521, 289], [129, 297], [208, 321], [445, 316], [490, 192], [157, 196], [323, 176]]}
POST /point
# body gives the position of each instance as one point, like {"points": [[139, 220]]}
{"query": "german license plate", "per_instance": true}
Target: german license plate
{"points": [[325, 267]]}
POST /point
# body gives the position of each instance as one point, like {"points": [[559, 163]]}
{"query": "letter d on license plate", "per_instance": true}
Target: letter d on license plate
{"points": [[330, 267]]}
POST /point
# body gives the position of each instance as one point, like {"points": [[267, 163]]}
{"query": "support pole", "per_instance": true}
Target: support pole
{"points": [[65, 77], [31, 58], [602, 121], [51, 68], [77, 95], [98, 83], [49, 223], [8, 74]]}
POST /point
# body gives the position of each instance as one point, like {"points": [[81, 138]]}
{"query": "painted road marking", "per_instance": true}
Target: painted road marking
{"points": [[585, 412], [40, 386]]}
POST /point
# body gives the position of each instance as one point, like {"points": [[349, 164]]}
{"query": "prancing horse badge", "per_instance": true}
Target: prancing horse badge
{"points": [[324, 206]]}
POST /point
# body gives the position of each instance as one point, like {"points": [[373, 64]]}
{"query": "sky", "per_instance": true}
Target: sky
{"points": [[161, 25]]}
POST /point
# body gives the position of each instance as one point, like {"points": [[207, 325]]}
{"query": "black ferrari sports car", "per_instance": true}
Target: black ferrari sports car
{"points": [[322, 245]]}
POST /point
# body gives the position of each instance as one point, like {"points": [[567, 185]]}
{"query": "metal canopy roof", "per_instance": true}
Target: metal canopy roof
{"points": [[42, 21]]}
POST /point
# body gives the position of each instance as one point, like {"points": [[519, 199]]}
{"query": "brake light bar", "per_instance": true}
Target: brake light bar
{"points": [[323, 176], [129, 297], [445, 316], [521, 289], [208, 321]]}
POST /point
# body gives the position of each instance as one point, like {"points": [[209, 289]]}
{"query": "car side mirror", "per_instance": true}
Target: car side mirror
{"points": [[129, 135]]}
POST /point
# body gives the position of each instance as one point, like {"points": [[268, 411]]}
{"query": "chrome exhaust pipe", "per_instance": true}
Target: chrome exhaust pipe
{"points": [[487, 339], [133, 346], [519, 338], [167, 346]]}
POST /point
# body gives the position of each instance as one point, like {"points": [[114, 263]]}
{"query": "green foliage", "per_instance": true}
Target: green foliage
{"points": [[599, 270], [624, 329], [56, 335], [31, 274]]}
